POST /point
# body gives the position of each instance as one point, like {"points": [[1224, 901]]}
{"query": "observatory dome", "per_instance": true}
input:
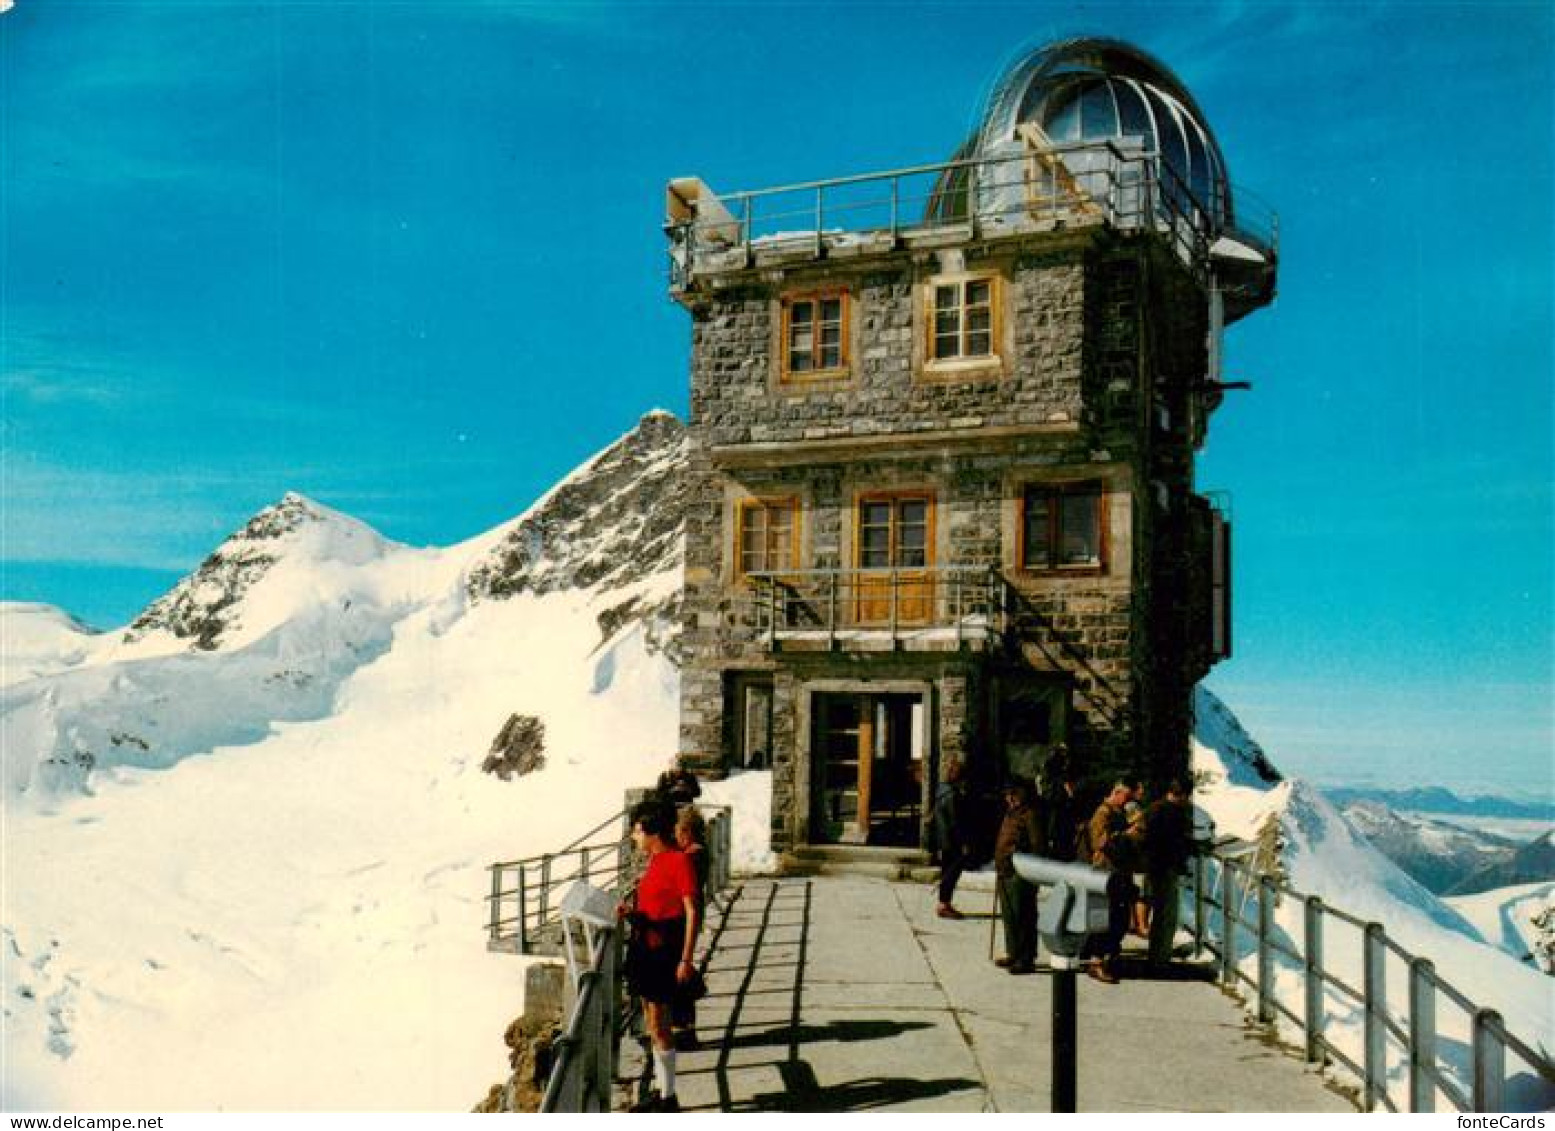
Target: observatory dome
{"points": [[1084, 90]]}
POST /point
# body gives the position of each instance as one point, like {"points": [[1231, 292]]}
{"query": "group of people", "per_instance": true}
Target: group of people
{"points": [[1143, 847], [665, 915]]}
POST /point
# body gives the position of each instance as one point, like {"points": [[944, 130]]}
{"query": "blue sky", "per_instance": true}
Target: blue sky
{"points": [[405, 258]]}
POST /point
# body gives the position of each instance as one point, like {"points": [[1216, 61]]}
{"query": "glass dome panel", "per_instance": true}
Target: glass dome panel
{"points": [[1133, 115], [1098, 112], [1061, 115], [1174, 151]]}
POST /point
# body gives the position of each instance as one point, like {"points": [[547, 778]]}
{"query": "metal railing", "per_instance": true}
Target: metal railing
{"points": [[1025, 189], [1345, 967], [525, 895], [583, 1071], [835, 605]]}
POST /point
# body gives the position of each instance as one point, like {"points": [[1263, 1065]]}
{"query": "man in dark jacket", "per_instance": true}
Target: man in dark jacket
{"points": [[1167, 848], [1021, 831], [1107, 843]]}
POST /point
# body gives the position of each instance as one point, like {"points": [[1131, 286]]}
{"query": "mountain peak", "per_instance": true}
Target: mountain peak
{"points": [[203, 608]]}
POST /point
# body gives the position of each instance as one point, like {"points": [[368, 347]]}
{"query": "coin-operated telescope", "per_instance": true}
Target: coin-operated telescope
{"points": [[1074, 907], [1074, 904]]}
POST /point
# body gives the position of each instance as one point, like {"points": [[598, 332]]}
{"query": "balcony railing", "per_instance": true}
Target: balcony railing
{"points": [[1023, 190], [930, 605]]}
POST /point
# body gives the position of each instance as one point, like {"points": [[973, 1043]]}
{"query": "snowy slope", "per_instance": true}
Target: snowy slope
{"points": [[1296, 834], [38, 639], [1519, 919]]}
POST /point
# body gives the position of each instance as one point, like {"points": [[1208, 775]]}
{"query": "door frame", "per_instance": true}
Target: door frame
{"points": [[805, 778]]}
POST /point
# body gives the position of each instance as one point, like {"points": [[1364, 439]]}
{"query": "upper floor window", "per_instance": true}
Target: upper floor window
{"points": [[963, 326], [1061, 526], [768, 535], [815, 336]]}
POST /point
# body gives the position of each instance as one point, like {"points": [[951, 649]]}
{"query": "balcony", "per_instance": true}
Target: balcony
{"points": [[933, 608]]}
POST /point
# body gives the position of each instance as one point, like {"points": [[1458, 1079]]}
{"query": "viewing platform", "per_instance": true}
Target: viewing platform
{"points": [[844, 993]]}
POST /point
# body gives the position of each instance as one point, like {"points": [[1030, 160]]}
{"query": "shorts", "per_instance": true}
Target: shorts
{"points": [[652, 958]]}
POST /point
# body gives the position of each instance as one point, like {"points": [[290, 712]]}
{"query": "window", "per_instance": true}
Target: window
{"points": [[962, 323], [815, 336], [1061, 526], [767, 538], [893, 532]]}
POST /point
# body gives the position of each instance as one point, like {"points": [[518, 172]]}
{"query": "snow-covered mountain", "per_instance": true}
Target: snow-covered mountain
{"points": [[1442, 856], [247, 833]]}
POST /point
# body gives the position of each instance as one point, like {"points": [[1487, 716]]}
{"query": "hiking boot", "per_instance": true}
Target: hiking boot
{"points": [[946, 911], [686, 1040], [1021, 968], [1003, 962]]}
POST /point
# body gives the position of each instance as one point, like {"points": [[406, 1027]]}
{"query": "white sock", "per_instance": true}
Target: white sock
{"points": [[664, 1070]]}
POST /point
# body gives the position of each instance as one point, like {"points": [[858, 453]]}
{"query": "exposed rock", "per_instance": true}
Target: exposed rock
{"points": [[531, 1043], [616, 520], [518, 749]]}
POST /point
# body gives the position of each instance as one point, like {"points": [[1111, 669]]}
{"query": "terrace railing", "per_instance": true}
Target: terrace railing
{"points": [[1311, 969]]}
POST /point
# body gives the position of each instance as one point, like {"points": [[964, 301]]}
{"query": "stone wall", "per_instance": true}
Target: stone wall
{"points": [[738, 394]]}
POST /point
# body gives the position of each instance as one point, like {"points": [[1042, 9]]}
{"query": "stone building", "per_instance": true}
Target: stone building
{"points": [[943, 428]]}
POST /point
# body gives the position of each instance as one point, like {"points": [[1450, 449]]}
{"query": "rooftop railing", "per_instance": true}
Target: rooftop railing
{"points": [[1023, 190]]}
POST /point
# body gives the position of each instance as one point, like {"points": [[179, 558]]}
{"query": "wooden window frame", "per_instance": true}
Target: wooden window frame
{"points": [[963, 364], [925, 494], [790, 376], [1053, 492], [766, 503]]}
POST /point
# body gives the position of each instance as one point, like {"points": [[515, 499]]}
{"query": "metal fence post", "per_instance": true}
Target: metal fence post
{"points": [[1265, 951], [583, 866], [1422, 1034], [1200, 880], [523, 910], [545, 889], [1312, 949], [1227, 921], [495, 928], [831, 611], [1374, 995], [1489, 1061]]}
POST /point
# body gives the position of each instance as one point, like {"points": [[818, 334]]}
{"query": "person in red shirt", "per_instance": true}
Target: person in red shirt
{"points": [[664, 928]]}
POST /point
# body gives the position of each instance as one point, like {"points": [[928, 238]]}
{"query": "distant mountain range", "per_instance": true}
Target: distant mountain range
{"points": [[1435, 799]]}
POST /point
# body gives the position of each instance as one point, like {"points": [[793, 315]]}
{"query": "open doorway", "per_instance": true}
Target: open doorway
{"points": [[868, 754]]}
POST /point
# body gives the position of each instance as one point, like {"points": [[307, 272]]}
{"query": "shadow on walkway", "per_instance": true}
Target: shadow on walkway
{"points": [[779, 944]]}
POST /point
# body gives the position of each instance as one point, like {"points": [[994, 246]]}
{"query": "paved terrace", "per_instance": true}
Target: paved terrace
{"points": [[847, 994]]}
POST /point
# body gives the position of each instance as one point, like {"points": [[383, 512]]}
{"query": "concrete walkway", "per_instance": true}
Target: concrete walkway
{"points": [[847, 994]]}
